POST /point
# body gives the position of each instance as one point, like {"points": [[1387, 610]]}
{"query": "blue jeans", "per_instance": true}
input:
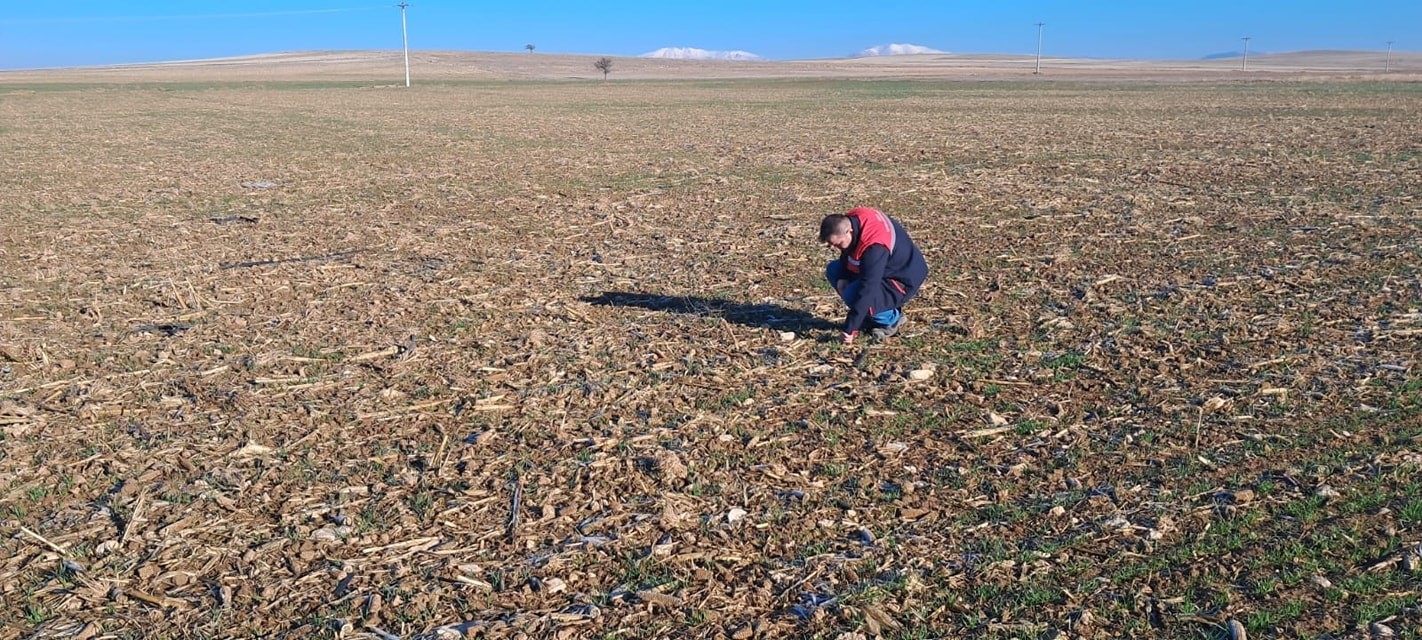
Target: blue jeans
{"points": [[835, 271]]}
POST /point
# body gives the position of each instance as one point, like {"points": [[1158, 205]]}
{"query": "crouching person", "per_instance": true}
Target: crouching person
{"points": [[878, 270]]}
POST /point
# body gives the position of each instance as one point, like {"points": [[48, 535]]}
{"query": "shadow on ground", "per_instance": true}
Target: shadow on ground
{"points": [[750, 315]]}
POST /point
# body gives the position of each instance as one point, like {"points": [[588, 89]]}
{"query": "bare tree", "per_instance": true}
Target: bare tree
{"points": [[529, 47], [604, 65]]}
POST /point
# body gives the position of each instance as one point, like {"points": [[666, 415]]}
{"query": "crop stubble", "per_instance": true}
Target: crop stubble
{"points": [[1169, 347]]}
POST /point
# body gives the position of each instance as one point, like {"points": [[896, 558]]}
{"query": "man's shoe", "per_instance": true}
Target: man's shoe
{"points": [[880, 333]]}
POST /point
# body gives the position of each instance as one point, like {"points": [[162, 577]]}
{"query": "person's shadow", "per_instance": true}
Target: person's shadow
{"points": [[751, 315]]}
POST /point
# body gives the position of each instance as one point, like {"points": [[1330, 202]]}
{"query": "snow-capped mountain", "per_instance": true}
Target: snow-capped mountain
{"points": [[691, 53], [895, 50]]}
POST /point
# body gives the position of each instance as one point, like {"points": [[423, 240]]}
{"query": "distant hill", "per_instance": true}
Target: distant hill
{"points": [[1231, 54]]}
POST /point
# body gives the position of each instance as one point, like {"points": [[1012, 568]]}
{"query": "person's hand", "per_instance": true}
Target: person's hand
{"points": [[848, 337]]}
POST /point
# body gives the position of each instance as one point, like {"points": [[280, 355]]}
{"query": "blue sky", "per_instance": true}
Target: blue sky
{"points": [[91, 32]]}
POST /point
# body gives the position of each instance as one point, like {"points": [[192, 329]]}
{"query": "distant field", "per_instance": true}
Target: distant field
{"points": [[327, 357], [387, 67]]}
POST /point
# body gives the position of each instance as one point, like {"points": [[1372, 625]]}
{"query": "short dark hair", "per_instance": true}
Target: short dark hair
{"points": [[833, 224]]}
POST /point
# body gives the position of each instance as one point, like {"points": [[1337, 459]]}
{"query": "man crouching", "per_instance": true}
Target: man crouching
{"points": [[878, 270]]}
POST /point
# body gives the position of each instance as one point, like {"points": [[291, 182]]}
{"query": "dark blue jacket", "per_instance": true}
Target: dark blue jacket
{"points": [[890, 277]]}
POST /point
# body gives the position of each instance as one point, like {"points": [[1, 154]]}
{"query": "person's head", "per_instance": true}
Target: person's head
{"points": [[836, 231]]}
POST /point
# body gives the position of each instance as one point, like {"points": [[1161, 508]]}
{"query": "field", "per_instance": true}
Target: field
{"points": [[555, 359]]}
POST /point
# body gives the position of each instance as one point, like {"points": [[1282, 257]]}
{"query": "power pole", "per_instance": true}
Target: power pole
{"points": [[405, 38], [1039, 47], [1244, 62], [1387, 66]]}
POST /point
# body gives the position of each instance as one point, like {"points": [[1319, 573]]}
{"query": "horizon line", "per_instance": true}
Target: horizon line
{"points": [[758, 59]]}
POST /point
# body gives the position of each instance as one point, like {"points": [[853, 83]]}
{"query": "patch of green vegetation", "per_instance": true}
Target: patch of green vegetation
{"points": [[37, 493], [733, 399], [36, 613], [421, 502], [1065, 360], [372, 519], [972, 356], [1307, 509], [1368, 583], [1410, 514], [638, 572], [1028, 427], [1365, 498], [1384, 608]]}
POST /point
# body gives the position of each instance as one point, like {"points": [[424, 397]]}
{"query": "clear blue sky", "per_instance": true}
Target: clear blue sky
{"points": [[49, 33]]}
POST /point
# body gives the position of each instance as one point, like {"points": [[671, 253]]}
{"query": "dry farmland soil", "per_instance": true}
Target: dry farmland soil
{"points": [[555, 359]]}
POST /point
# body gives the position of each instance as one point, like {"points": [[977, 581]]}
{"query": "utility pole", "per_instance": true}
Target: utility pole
{"points": [[405, 38], [1039, 47], [1387, 66], [1244, 62]]}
